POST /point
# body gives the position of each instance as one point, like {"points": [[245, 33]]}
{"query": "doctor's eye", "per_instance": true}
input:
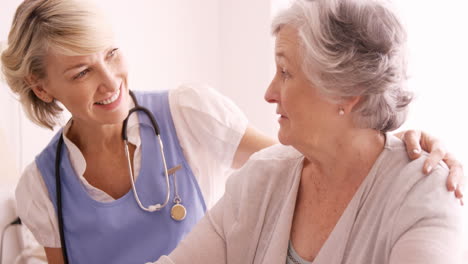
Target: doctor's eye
{"points": [[112, 52], [81, 74], [284, 73]]}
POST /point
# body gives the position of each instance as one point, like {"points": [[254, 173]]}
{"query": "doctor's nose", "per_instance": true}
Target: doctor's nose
{"points": [[109, 82]]}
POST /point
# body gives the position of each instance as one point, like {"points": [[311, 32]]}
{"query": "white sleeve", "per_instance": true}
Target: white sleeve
{"points": [[36, 209], [205, 119], [209, 127]]}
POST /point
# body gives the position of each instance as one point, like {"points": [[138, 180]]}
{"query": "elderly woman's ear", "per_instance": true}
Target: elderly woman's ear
{"points": [[37, 86], [347, 105]]}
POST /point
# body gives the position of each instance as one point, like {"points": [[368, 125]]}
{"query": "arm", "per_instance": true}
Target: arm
{"points": [[415, 140], [251, 142]]}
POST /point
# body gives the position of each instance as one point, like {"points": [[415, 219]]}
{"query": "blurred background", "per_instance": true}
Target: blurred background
{"points": [[228, 45]]}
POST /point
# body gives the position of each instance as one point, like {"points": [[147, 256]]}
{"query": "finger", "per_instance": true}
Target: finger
{"points": [[459, 192], [455, 177], [454, 174], [462, 203], [435, 156], [452, 179], [411, 139]]}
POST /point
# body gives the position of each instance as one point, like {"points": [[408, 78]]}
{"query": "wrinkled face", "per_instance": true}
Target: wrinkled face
{"points": [[92, 87], [305, 115]]}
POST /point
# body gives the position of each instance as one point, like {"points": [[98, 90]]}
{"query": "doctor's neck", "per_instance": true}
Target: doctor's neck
{"points": [[95, 138]]}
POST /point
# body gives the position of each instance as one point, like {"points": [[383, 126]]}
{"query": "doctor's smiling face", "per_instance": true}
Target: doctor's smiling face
{"points": [[92, 87], [65, 52]]}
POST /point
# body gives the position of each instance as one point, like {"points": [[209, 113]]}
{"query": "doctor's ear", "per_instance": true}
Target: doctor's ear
{"points": [[37, 87]]}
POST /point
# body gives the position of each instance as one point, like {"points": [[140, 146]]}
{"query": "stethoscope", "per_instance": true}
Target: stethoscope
{"points": [[178, 211]]}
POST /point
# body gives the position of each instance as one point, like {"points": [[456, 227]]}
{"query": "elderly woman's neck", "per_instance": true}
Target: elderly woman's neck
{"points": [[344, 156], [95, 138]]}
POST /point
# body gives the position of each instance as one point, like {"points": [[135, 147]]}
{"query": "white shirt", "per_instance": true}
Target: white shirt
{"points": [[209, 127]]}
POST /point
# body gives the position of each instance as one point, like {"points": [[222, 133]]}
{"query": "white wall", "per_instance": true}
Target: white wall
{"points": [[10, 117], [438, 54], [246, 59], [167, 42]]}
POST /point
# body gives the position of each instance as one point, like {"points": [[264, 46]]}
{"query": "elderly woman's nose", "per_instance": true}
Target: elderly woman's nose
{"points": [[271, 94]]}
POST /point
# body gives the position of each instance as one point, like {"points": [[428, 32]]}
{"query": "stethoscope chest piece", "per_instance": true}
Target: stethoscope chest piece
{"points": [[178, 212]]}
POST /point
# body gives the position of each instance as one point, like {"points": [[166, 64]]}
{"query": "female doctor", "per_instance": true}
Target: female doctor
{"points": [[130, 173]]}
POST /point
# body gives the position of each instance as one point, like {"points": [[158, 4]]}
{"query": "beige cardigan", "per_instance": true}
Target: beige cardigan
{"points": [[396, 216]]}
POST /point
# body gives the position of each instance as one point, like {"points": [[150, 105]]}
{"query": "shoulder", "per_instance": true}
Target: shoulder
{"points": [[48, 153], [27, 179], [29, 188], [274, 167], [276, 152], [45, 160], [427, 189], [414, 198], [409, 173], [35, 208], [263, 184], [403, 176]]}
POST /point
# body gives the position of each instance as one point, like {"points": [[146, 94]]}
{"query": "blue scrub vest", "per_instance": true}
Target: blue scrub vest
{"points": [[119, 232]]}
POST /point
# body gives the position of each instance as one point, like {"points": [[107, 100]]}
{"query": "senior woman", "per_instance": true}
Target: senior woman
{"points": [[344, 190]]}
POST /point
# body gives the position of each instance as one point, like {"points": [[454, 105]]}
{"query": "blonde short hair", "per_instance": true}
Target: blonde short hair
{"points": [[354, 48], [67, 27]]}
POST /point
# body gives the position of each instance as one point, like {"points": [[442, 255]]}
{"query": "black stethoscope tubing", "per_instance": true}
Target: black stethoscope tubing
{"points": [[58, 190]]}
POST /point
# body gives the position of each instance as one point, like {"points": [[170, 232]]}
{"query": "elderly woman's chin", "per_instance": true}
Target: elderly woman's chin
{"points": [[286, 135], [317, 129]]}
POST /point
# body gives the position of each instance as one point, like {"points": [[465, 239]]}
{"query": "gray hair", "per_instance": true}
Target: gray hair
{"points": [[67, 27], [354, 48]]}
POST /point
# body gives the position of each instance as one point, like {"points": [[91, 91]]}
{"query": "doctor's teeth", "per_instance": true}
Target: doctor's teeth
{"points": [[110, 100]]}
